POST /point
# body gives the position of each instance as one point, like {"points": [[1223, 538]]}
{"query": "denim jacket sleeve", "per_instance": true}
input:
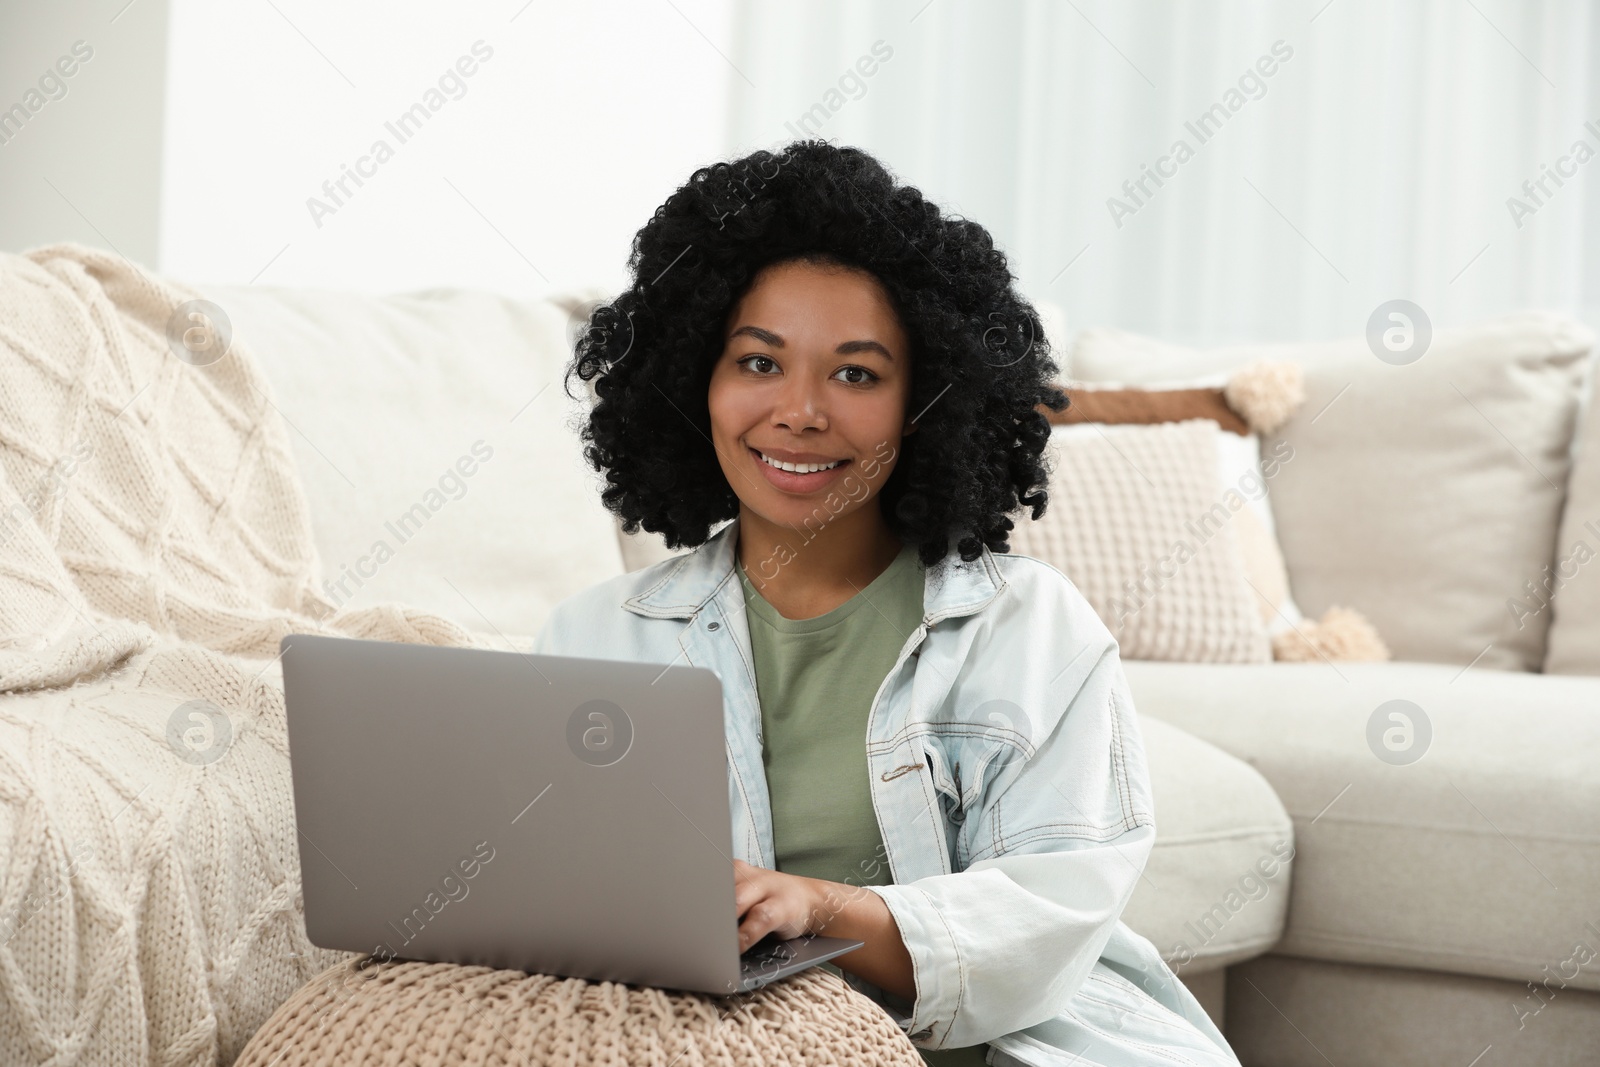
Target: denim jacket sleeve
{"points": [[1060, 836]]}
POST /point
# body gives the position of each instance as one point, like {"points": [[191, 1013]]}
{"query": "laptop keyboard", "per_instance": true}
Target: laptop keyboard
{"points": [[766, 954]]}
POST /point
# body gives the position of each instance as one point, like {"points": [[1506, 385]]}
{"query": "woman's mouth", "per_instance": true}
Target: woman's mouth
{"points": [[798, 477]]}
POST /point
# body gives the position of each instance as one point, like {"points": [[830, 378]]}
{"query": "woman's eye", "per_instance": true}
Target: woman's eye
{"points": [[758, 364], [855, 375]]}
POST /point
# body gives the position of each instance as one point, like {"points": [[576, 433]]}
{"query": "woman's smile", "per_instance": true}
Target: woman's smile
{"points": [[798, 472]]}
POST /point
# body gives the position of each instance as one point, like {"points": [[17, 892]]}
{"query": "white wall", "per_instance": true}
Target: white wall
{"points": [[81, 160], [565, 140]]}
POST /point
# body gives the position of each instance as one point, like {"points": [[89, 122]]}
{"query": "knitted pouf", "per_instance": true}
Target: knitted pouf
{"points": [[366, 1013]]}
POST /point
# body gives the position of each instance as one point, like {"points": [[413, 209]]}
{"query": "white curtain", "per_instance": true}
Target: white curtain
{"points": [[1375, 162]]}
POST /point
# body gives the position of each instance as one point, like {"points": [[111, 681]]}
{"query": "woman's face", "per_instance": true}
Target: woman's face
{"points": [[815, 372]]}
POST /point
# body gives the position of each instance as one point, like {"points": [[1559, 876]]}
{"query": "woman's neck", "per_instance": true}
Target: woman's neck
{"points": [[809, 572]]}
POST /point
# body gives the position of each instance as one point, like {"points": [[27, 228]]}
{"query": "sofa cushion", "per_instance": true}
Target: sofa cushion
{"points": [[1480, 855], [1216, 888], [1305, 1013], [1571, 586], [1154, 553], [434, 439], [1422, 495]]}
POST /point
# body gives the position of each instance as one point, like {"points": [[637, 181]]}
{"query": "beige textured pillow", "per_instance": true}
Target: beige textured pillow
{"points": [[1244, 405], [1570, 589], [1131, 522], [1421, 495]]}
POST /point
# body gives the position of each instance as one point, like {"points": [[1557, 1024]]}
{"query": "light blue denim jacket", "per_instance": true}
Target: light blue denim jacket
{"points": [[1008, 778]]}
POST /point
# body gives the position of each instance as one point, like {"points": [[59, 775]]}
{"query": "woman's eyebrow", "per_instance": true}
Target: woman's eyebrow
{"points": [[851, 347], [847, 348]]}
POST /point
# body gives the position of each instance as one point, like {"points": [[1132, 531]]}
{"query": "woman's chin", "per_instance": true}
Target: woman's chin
{"points": [[804, 519]]}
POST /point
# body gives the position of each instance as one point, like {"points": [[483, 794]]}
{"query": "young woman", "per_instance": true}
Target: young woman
{"points": [[830, 391]]}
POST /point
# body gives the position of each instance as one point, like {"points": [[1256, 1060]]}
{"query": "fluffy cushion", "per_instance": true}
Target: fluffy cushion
{"points": [[365, 1013], [1341, 634], [1137, 522], [477, 503], [1266, 394], [1421, 495], [1252, 401]]}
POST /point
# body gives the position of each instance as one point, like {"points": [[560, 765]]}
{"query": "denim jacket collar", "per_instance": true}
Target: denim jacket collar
{"points": [[953, 587]]}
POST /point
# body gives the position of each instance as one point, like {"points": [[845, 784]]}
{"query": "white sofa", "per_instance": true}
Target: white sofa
{"points": [[1327, 906], [1448, 908]]}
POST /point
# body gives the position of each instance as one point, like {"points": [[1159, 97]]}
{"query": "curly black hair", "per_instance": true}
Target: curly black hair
{"points": [[980, 367]]}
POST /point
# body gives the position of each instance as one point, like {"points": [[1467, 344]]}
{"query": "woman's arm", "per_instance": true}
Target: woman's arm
{"points": [[790, 905], [863, 916]]}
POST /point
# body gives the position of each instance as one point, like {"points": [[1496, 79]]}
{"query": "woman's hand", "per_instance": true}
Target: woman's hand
{"points": [[771, 902], [787, 905]]}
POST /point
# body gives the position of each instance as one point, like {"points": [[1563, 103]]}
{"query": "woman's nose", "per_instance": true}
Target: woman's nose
{"points": [[800, 407]]}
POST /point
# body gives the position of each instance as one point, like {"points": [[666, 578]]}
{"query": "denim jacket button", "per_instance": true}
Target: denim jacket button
{"points": [[713, 626]]}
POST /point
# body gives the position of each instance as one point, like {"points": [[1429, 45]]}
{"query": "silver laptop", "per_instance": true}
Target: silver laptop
{"points": [[543, 813]]}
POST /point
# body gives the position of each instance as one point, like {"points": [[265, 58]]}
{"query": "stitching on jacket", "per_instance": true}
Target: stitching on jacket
{"points": [[955, 729], [749, 667], [671, 573], [1048, 830], [936, 761], [1116, 753], [676, 610], [961, 964], [1116, 829], [930, 803], [752, 837], [1118, 762], [752, 841]]}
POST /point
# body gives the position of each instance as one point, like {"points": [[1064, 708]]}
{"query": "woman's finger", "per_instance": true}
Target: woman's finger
{"points": [[752, 905], [758, 922], [748, 887]]}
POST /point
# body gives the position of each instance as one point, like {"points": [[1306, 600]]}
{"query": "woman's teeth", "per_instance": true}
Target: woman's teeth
{"points": [[798, 468]]}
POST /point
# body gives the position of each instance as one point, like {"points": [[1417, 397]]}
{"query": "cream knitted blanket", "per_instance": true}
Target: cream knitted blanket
{"points": [[154, 546]]}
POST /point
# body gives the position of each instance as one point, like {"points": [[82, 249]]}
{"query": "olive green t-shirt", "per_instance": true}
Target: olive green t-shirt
{"points": [[816, 679]]}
